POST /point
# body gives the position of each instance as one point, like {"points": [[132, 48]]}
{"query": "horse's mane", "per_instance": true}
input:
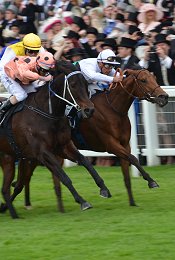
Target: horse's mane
{"points": [[63, 66]]}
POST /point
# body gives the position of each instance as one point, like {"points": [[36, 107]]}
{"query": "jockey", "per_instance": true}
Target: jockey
{"points": [[20, 75], [29, 46], [100, 72]]}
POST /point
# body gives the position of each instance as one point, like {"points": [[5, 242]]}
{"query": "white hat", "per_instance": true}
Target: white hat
{"points": [[107, 56]]}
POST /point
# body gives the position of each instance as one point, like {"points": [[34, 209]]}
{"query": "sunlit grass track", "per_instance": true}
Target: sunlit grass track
{"points": [[111, 230]]}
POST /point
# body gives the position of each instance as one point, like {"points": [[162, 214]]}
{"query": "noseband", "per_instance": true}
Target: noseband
{"points": [[146, 95], [66, 87]]}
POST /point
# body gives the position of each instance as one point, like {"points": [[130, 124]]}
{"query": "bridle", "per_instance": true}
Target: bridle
{"points": [[51, 91], [146, 95], [66, 87]]}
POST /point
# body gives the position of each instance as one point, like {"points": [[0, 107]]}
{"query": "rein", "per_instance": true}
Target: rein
{"points": [[66, 87], [147, 96]]}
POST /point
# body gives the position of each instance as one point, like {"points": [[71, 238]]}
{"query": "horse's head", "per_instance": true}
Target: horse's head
{"points": [[75, 89], [144, 86]]}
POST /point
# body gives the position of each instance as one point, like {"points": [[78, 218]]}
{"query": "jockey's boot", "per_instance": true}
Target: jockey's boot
{"points": [[6, 105]]}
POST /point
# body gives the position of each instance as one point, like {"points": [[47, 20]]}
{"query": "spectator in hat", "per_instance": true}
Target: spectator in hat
{"points": [[109, 43], [131, 19], [88, 39], [99, 41], [53, 27], [126, 54], [159, 60], [78, 24], [149, 17], [76, 54]]}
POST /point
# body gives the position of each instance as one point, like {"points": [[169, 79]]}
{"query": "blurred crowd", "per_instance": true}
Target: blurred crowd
{"points": [[137, 31]]}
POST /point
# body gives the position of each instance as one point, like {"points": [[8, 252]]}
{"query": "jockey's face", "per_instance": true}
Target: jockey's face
{"points": [[31, 53], [105, 68]]}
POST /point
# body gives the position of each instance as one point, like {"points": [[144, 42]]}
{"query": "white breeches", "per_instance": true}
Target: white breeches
{"points": [[15, 89], [92, 89]]}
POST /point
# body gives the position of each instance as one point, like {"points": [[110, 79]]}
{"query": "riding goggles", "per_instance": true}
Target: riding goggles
{"points": [[108, 66], [42, 70], [32, 51], [110, 60]]}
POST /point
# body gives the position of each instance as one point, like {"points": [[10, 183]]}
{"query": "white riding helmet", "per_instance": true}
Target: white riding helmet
{"points": [[107, 56]]}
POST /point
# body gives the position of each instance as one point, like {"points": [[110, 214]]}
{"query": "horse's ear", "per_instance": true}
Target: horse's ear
{"points": [[126, 73]]}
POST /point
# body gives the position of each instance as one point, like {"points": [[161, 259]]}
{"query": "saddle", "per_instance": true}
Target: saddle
{"points": [[6, 126]]}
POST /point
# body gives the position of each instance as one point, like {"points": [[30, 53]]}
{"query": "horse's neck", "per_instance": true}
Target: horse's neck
{"points": [[119, 100], [46, 101]]}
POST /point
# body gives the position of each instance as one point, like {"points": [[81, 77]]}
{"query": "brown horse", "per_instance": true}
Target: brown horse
{"points": [[109, 128], [36, 135]]}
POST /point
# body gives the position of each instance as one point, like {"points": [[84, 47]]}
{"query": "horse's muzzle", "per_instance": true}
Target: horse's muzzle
{"points": [[162, 100], [87, 112]]}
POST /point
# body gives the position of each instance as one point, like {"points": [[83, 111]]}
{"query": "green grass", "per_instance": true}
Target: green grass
{"points": [[111, 230]]}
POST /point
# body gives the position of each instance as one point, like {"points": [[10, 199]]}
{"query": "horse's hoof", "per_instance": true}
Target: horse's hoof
{"points": [[153, 184], [29, 207], [3, 207], [86, 205], [133, 205], [105, 193], [15, 217]]}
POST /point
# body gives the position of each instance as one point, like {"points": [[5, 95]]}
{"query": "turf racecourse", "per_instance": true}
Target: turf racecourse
{"points": [[111, 230]]}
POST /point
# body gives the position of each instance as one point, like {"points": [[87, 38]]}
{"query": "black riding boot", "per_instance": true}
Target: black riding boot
{"points": [[4, 107]]}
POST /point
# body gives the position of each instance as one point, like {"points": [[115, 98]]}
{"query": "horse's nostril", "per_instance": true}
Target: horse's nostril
{"points": [[88, 111]]}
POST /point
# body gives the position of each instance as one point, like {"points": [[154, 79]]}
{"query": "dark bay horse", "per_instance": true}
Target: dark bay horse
{"points": [[37, 135], [109, 128]]}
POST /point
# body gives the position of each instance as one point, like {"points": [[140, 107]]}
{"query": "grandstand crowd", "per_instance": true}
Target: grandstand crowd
{"points": [[137, 31]]}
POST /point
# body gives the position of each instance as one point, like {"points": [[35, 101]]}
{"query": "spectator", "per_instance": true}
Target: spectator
{"points": [[76, 54], [160, 61], [149, 17], [88, 40], [126, 53]]}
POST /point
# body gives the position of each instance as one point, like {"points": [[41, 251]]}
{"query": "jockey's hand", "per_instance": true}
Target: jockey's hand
{"points": [[118, 78], [46, 78]]}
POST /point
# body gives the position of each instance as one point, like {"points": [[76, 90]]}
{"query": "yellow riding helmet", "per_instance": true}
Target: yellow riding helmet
{"points": [[31, 41]]}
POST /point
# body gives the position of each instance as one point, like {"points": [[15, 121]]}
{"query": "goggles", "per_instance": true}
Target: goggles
{"points": [[42, 70], [108, 66], [111, 59], [32, 51]]}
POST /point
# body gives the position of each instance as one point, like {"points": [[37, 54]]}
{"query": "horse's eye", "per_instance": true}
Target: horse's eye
{"points": [[143, 80]]}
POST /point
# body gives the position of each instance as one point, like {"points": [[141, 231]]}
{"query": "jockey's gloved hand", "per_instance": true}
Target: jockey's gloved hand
{"points": [[46, 78]]}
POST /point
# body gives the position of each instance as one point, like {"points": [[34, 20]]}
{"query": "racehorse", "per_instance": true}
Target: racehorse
{"points": [[109, 128], [35, 134]]}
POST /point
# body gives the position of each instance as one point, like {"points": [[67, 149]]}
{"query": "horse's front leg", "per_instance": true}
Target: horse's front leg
{"points": [[51, 162], [71, 153], [8, 167], [116, 148], [127, 180]]}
